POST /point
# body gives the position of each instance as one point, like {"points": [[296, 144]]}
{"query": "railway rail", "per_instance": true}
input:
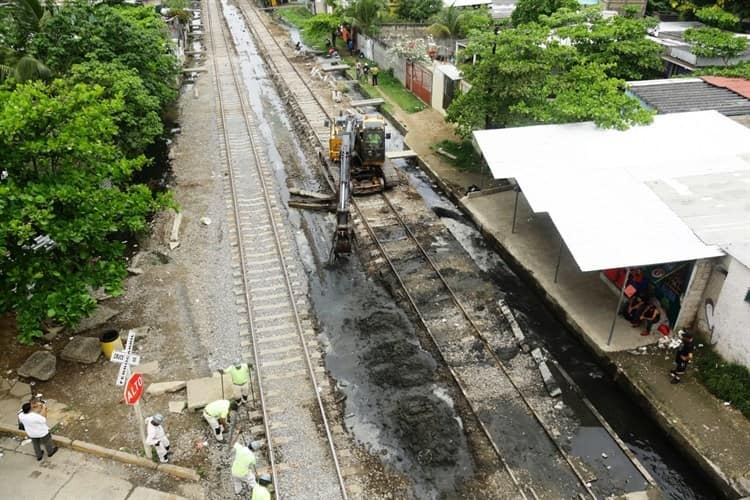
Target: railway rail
{"points": [[268, 297], [555, 474]]}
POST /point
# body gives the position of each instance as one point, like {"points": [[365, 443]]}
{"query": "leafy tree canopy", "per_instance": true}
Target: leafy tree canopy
{"points": [[322, 24], [713, 42], [365, 15], [529, 11], [134, 37], [138, 121], [717, 17], [417, 10], [617, 43], [525, 75], [66, 180]]}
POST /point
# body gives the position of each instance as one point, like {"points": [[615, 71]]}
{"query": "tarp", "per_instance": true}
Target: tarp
{"points": [[594, 183]]}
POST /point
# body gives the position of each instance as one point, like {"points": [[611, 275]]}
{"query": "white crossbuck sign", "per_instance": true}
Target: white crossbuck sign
{"points": [[126, 359]]}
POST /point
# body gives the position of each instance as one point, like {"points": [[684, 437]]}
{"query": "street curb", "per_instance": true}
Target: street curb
{"points": [[119, 456]]}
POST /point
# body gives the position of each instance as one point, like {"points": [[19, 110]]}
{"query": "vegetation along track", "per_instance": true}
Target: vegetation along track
{"points": [[268, 297], [502, 398]]}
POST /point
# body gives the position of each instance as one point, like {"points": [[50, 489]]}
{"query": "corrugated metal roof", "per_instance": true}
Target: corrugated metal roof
{"points": [[680, 95], [737, 85]]}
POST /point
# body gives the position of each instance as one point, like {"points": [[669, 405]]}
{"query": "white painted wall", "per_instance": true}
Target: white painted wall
{"points": [[732, 315]]}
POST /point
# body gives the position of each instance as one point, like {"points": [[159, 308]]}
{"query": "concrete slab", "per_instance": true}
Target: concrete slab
{"points": [[101, 316], [147, 368], [90, 484], [82, 350], [24, 477], [4, 386], [19, 389], [159, 388], [202, 391], [141, 493], [9, 443], [177, 406], [41, 365]]}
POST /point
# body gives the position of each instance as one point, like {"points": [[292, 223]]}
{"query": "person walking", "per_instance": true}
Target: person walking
{"points": [[260, 491], [366, 71], [157, 437], [240, 373], [374, 72], [218, 414], [35, 425], [358, 70], [683, 356], [243, 466]]}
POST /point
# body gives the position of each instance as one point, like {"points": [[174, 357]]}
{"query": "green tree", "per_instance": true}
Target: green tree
{"points": [[322, 25], [529, 11], [66, 181], [20, 20], [618, 44], [138, 121], [446, 23], [365, 15], [417, 11], [713, 42], [717, 17], [134, 37], [525, 75]]}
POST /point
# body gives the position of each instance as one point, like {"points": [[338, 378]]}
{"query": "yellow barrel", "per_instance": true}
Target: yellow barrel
{"points": [[110, 342]]}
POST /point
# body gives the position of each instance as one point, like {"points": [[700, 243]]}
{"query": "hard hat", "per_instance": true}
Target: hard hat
{"points": [[158, 418], [264, 478], [237, 362]]}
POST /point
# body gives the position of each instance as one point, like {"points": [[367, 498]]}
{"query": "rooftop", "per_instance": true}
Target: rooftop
{"points": [[678, 95]]}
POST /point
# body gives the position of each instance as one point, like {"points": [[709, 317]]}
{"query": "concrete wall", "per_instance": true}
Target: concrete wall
{"points": [[732, 315], [692, 299], [377, 51]]}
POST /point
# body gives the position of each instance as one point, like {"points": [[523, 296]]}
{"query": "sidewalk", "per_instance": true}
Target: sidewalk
{"points": [[71, 475], [714, 435]]}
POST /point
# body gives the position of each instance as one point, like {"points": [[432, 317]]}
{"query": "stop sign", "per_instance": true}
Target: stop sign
{"points": [[134, 389]]}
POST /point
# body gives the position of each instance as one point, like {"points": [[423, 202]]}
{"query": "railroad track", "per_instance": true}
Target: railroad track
{"points": [[465, 339], [269, 296]]}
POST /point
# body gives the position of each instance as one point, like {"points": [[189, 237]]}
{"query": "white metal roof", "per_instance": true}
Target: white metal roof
{"points": [[616, 197]]}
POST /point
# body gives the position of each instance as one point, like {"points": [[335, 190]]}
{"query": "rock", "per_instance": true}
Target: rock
{"points": [[20, 389], [147, 368], [202, 391], [177, 406], [160, 388], [141, 331], [82, 350], [51, 332], [135, 270], [98, 319], [41, 365], [4, 386]]}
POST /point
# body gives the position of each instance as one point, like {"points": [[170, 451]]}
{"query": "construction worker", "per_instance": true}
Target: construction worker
{"points": [[260, 491], [243, 466], [217, 414], [240, 373], [156, 437]]}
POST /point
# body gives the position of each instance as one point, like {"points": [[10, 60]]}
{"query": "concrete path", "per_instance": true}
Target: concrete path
{"points": [[71, 475]]}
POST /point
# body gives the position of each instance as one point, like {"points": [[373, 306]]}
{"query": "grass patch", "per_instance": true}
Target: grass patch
{"points": [[388, 85], [466, 157], [296, 16], [727, 381]]}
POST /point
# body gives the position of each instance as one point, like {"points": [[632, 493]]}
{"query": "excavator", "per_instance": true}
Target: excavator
{"points": [[357, 145]]}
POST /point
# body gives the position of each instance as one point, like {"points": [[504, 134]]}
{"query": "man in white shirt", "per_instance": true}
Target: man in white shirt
{"points": [[157, 437], [35, 425]]}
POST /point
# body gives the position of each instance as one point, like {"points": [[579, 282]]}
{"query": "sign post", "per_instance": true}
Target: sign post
{"points": [[134, 386]]}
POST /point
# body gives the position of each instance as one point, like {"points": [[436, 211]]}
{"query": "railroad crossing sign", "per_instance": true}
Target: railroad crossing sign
{"points": [[126, 359], [134, 389]]}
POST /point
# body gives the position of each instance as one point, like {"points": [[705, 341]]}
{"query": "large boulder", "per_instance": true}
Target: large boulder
{"points": [[82, 350], [41, 365], [99, 319]]}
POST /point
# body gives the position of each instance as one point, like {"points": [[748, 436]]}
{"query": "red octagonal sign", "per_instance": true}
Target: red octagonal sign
{"points": [[134, 389]]}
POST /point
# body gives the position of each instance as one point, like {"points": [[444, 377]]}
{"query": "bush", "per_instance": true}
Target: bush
{"points": [[727, 381], [719, 18]]}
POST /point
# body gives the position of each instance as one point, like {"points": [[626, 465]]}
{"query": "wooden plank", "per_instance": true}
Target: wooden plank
{"points": [[392, 155]]}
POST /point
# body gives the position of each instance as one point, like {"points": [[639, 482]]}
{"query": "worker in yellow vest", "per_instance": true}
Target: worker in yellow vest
{"points": [[243, 466], [217, 414], [240, 373], [260, 492]]}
